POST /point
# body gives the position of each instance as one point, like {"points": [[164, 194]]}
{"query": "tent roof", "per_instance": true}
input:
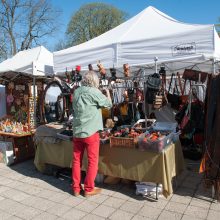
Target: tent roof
{"points": [[137, 41], [37, 61]]}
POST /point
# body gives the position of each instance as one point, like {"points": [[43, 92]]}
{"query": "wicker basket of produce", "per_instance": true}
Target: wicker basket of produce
{"points": [[125, 142]]}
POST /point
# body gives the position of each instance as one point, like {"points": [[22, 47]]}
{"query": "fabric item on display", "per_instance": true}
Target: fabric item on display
{"points": [[118, 91]]}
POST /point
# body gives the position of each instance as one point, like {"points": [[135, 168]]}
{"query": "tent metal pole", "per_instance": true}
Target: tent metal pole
{"points": [[35, 107], [155, 61], [213, 66]]}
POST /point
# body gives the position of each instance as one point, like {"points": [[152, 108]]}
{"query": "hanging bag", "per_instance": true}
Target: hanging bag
{"points": [[153, 85], [195, 75], [173, 98], [183, 98], [154, 81], [161, 98], [186, 117]]}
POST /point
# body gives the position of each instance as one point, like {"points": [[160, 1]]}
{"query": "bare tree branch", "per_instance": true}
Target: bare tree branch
{"points": [[27, 23]]}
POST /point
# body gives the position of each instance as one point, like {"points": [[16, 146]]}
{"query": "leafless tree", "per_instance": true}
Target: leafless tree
{"points": [[26, 23]]}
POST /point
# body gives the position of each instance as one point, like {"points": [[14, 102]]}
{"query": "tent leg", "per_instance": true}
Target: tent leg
{"points": [[35, 107]]}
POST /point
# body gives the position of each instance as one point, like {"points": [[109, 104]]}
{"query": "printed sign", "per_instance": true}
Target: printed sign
{"points": [[184, 49]]}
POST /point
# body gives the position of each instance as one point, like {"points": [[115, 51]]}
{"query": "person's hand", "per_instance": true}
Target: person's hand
{"points": [[107, 93]]}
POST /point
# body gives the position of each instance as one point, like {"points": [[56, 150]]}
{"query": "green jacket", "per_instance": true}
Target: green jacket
{"points": [[87, 117]]}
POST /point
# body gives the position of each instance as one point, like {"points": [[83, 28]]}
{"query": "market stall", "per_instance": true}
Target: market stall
{"points": [[23, 77], [143, 166], [149, 63]]}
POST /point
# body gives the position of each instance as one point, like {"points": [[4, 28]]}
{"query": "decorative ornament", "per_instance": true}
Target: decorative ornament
{"points": [[11, 85], [18, 101], [126, 68], [10, 99], [101, 69], [13, 109]]}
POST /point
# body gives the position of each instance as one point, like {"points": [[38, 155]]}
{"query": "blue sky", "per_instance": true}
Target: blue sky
{"points": [[189, 11]]}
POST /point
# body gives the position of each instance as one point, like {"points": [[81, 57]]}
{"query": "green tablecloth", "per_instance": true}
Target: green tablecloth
{"points": [[125, 163]]}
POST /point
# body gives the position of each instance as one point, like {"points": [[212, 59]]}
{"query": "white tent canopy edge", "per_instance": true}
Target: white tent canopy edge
{"points": [[137, 41], [37, 61]]}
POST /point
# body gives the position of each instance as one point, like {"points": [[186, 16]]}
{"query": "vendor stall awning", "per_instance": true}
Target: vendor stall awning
{"points": [[37, 62], [149, 34]]}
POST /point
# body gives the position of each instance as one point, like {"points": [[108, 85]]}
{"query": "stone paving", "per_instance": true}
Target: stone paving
{"points": [[27, 194]]}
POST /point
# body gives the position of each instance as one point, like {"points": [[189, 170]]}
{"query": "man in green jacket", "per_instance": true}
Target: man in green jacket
{"points": [[87, 121]]}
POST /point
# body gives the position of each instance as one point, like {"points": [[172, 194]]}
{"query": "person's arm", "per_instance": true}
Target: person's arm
{"points": [[103, 100]]}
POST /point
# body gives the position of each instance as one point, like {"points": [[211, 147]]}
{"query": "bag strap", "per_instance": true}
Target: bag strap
{"points": [[176, 87], [180, 84], [170, 82]]}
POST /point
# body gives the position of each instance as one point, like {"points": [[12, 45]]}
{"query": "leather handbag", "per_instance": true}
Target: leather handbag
{"points": [[183, 98], [186, 117], [195, 75], [173, 99]]}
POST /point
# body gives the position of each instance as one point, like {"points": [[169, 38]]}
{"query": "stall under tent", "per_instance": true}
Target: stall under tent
{"points": [[26, 68]]}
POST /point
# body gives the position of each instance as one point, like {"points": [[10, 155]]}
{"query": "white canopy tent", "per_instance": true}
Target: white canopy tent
{"points": [[34, 62], [149, 34]]}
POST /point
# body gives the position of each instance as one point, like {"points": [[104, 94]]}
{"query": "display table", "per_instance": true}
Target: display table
{"points": [[125, 163], [23, 145]]}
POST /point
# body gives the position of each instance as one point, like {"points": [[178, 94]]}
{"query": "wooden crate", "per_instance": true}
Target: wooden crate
{"points": [[123, 142]]}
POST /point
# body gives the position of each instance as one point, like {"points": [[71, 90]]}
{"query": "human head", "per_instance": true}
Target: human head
{"points": [[90, 79]]}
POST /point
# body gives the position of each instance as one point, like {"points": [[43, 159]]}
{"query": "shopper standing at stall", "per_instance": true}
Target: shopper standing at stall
{"points": [[87, 121]]}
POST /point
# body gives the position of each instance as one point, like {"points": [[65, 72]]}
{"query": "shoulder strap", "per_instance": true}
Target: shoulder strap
{"points": [[170, 82], [180, 83]]}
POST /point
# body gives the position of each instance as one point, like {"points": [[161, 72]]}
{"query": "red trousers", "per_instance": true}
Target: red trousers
{"points": [[91, 144]]}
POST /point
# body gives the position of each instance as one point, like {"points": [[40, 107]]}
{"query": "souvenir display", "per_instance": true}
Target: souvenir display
{"points": [[126, 68], [20, 106], [10, 126], [102, 70]]}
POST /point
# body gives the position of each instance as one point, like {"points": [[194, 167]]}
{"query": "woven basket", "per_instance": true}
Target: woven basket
{"points": [[123, 142]]}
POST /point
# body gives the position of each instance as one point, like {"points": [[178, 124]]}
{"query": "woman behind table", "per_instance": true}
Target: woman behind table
{"points": [[87, 121]]}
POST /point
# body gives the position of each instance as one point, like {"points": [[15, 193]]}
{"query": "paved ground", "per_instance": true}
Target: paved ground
{"points": [[27, 194]]}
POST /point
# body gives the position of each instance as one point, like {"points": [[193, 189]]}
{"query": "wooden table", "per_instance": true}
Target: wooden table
{"points": [[23, 145]]}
